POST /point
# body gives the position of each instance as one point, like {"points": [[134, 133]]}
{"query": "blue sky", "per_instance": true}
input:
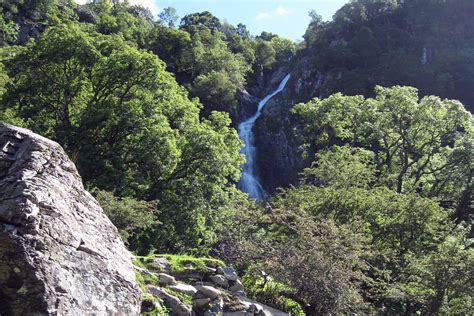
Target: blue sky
{"points": [[288, 18]]}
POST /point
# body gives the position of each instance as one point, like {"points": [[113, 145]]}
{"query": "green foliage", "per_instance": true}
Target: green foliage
{"points": [[135, 24], [3, 80], [169, 17], [216, 90], [8, 31], [200, 20], [132, 217], [396, 241], [184, 298], [113, 104], [204, 60], [265, 55], [442, 280], [269, 292], [342, 167], [284, 48], [171, 45], [425, 44], [315, 262], [419, 145], [181, 263]]}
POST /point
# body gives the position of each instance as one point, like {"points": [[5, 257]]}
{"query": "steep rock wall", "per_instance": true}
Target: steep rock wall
{"points": [[280, 156]]}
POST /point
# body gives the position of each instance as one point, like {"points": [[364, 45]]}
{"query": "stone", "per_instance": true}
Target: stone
{"points": [[190, 265], [230, 274], [219, 280], [201, 302], [172, 302], [184, 288], [240, 294], [233, 303], [147, 306], [210, 269], [208, 291], [162, 263], [255, 308], [248, 104], [59, 253], [217, 305], [237, 286], [166, 279], [200, 283]]}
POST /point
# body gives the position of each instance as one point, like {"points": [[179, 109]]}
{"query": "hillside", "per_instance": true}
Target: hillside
{"points": [[334, 175]]}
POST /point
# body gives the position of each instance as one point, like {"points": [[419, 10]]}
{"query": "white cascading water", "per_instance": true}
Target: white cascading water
{"points": [[249, 182]]}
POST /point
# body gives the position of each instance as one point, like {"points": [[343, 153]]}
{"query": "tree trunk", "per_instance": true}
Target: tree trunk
{"points": [[436, 303]]}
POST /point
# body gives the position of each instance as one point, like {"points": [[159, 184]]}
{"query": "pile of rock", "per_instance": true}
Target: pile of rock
{"points": [[211, 291]]}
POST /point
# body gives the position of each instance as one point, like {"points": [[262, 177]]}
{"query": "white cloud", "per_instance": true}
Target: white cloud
{"points": [[150, 4], [263, 16], [281, 11]]}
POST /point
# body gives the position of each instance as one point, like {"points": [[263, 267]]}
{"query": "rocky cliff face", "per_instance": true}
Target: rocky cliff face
{"points": [[59, 253], [278, 154]]}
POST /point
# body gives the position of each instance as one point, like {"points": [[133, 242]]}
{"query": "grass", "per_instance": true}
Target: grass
{"points": [[179, 263], [183, 297], [143, 279], [183, 263]]}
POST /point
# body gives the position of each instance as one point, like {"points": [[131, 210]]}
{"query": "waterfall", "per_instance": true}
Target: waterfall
{"points": [[249, 182]]}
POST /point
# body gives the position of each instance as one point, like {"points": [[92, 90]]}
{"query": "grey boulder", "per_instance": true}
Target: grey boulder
{"points": [[59, 253]]}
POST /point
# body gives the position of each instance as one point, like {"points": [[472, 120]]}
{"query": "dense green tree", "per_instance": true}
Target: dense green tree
{"points": [[444, 279], [284, 48], [315, 28], [424, 44], [134, 23], [243, 31], [169, 17], [420, 145], [113, 104], [308, 260], [405, 231], [3, 80], [8, 31], [342, 167], [202, 19], [216, 90], [243, 46], [171, 45], [133, 218], [364, 48], [266, 36], [265, 55]]}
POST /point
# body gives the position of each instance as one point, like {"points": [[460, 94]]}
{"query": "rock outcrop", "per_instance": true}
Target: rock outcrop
{"points": [[59, 253], [207, 288]]}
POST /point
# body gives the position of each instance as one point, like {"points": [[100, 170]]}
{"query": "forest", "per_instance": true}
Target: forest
{"points": [[379, 220]]}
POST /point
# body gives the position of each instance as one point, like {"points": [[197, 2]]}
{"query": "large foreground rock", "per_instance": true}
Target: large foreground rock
{"points": [[59, 253]]}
